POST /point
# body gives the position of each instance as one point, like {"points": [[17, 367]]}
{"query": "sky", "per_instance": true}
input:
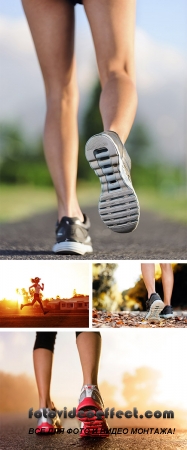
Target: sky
{"points": [[161, 43], [122, 351], [59, 277], [127, 273], [160, 19]]}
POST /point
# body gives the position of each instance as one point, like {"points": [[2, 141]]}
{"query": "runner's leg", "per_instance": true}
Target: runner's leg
{"points": [[148, 273], [89, 347], [43, 359], [41, 306], [52, 27], [29, 304], [167, 282], [112, 25]]}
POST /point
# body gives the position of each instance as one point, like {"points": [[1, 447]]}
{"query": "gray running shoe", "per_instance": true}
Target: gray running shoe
{"points": [[167, 312], [155, 306], [118, 204], [72, 236]]}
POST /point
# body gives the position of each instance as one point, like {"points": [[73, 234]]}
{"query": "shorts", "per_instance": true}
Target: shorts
{"points": [[46, 339], [75, 1]]}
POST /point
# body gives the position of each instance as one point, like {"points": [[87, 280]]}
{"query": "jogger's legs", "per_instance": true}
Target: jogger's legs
{"points": [[89, 347], [43, 366], [112, 25], [43, 359], [52, 27], [148, 273], [167, 282], [41, 306], [29, 304]]}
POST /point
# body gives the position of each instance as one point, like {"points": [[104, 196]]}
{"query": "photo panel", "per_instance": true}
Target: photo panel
{"points": [[44, 294], [144, 396], [139, 294]]}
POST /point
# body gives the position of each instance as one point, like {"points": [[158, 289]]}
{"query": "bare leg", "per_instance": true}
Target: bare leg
{"points": [[148, 273], [112, 26], [28, 304], [167, 282], [43, 359], [41, 306], [89, 347], [52, 27]]}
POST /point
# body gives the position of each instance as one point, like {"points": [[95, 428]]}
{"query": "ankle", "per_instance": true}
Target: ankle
{"points": [[69, 211]]}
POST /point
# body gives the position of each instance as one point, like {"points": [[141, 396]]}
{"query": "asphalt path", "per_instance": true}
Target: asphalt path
{"points": [[155, 238], [48, 321], [15, 435]]}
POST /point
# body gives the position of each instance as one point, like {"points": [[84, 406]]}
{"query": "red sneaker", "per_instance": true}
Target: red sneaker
{"points": [[90, 413]]}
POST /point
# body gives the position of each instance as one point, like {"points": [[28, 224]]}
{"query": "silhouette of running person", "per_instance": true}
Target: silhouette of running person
{"points": [[37, 287]]}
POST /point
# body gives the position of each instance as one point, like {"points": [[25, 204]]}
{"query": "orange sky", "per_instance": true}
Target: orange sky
{"points": [[59, 277]]}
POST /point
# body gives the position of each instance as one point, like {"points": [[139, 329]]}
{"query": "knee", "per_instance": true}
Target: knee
{"points": [[62, 94], [117, 73], [165, 267]]}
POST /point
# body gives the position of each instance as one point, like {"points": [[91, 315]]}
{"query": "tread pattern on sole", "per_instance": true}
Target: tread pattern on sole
{"points": [[118, 205], [72, 248], [155, 310]]}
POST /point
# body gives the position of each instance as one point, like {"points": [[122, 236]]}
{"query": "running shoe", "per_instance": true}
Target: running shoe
{"points": [[155, 306], [72, 236], [118, 204], [167, 312], [47, 424], [91, 424]]}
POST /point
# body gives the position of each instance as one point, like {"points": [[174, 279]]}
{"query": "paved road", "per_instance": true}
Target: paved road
{"points": [[155, 238], [14, 435], [47, 321]]}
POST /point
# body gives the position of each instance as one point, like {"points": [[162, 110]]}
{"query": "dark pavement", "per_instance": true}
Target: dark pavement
{"points": [[15, 435], [155, 238], [69, 320]]}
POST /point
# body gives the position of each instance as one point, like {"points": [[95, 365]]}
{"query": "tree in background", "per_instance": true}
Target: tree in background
{"points": [[106, 294]]}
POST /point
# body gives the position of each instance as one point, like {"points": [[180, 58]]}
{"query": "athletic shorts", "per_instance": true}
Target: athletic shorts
{"points": [[75, 1], [46, 339]]}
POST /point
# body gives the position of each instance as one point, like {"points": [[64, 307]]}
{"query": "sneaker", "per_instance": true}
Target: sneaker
{"points": [[90, 400], [47, 424], [72, 236], [167, 312], [21, 306], [46, 312], [118, 203], [155, 306]]}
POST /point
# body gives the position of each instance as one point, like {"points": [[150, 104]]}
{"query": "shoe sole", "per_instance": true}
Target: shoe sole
{"points": [[87, 403], [166, 316], [45, 428], [118, 204], [155, 309], [71, 248], [91, 427], [95, 429]]}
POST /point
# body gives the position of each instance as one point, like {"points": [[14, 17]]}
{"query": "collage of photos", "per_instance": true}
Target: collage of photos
{"points": [[93, 225]]}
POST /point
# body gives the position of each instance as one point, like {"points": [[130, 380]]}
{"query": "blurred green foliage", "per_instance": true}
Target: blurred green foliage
{"points": [[22, 160]]}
